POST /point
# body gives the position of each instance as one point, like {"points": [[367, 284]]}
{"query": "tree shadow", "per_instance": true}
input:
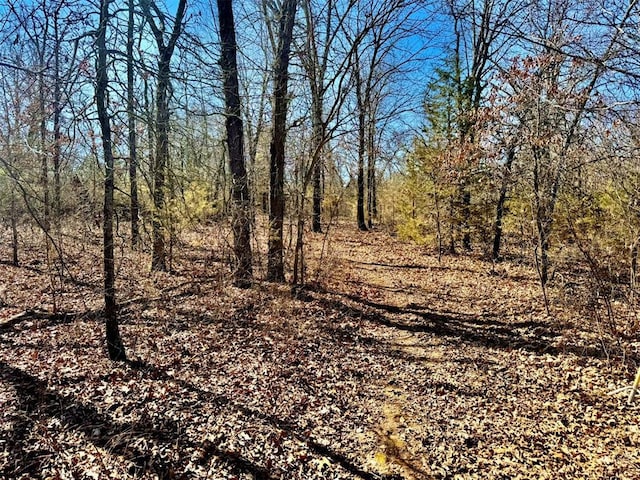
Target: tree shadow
{"points": [[52, 319], [485, 330], [283, 425], [36, 401]]}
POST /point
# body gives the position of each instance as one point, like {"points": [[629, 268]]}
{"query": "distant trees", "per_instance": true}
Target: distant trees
{"points": [[521, 118], [132, 126], [376, 36], [521, 103]]}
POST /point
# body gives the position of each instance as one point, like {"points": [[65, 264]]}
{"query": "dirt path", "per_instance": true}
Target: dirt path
{"points": [[486, 385]]}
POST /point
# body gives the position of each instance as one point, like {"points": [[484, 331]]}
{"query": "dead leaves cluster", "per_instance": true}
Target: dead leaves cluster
{"points": [[393, 366]]}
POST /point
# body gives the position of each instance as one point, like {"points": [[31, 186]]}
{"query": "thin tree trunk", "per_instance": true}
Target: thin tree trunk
{"points": [[298, 257], [466, 217], [452, 238], [361, 150], [133, 155], [317, 165], [57, 112], [436, 202], [235, 143], [635, 251], [14, 228], [371, 173], [165, 51], [275, 256], [497, 237], [114, 341], [44, 162]]}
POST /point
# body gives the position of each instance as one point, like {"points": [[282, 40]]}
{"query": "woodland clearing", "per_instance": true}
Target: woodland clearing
{"points": [[390, 365]]}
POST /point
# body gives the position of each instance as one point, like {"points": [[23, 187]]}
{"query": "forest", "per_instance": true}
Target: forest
{"points": [[319, 239]]}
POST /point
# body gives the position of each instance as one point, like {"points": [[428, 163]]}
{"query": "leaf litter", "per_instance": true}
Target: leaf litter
{"points": [[390, 365]]}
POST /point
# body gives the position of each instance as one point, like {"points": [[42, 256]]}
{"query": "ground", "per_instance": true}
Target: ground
{"points": [[390, 365]]}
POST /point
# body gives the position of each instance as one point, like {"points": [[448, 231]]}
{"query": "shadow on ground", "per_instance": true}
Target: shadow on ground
{"points": [[36, 402]]}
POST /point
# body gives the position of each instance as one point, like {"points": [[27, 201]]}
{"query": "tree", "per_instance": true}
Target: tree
{"points": [[235, 146], [554, 93], [131, 117], [376, 35], [275, 255], [326, 69], [480, 30], [166, 48], [115, 346]]}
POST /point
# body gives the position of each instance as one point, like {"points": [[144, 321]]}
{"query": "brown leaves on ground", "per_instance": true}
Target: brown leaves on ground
{"points": [[393, 366]]}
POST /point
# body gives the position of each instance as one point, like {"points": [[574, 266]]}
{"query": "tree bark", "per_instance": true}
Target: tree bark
{"points": [[57, 113], [235, 144], [275, 256], [165, 52], [361, 149], [497, 236], [114, 341], [133, 155], [371, 173], [14, 228], [317, 164], [44, 162]]}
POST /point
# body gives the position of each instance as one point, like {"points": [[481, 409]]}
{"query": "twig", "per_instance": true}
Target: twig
{"points": [[634, 388]]}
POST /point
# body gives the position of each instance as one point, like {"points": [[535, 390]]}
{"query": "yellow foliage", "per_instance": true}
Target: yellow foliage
{"points": [[192, 207]]}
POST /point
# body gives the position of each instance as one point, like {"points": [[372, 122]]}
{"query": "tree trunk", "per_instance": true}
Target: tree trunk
{"points": [[159, 256], [635, 251], [497, 237], [165, 52], [452, 237], [275, 256], [318, 165], [371, 173], [361, 149], [14, 228], [360, 206], [114, 342], [235, 144], [57, 113], [133, 156], [44, 163], [466, 217]]}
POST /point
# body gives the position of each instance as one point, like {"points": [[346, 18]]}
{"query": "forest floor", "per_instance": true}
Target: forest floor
{"points": [[393, 365]]}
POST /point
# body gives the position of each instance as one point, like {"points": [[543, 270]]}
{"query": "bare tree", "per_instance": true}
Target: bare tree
{"points": [[235, 146], [157, 21], [326, 68], [376, 35], [275, 255], [131, 117], [115, 346]]}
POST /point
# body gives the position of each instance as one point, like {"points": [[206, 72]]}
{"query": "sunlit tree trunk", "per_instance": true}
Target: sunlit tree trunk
{"points": [[114, 341], [502, 198], [362, 116], [165, 52], [275, 255], [235, 145], [131, 117], [14, 227]]}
